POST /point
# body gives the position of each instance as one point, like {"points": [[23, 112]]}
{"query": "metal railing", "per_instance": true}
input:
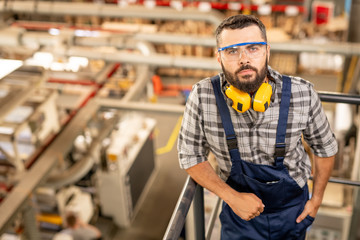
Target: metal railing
{"points": [[192, 192]]}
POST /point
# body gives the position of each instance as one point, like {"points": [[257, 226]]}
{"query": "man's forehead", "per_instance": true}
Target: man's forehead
{"points": [[233, 36]]}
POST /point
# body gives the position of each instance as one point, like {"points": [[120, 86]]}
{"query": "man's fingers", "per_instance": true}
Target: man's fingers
{"points": [[253, 215], [301, 217], [262, 208]]}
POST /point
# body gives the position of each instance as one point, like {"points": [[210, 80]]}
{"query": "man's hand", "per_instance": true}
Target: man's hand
{"points": [[310, 209], [322, 172], [246, 205]]}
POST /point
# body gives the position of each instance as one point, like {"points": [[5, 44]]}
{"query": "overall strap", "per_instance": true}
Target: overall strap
{"points": [[283, 118], [226, 120]]}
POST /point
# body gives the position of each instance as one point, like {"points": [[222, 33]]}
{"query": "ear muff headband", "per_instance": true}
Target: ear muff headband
{"points": [[241, 101]]}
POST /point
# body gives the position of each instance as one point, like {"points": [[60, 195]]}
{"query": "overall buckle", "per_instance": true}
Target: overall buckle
{"points": [[279, 150], [231, 142]]}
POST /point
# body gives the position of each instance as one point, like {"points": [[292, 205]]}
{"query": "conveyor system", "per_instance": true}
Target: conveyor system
{"points": [[24, 107], [27, 127]]}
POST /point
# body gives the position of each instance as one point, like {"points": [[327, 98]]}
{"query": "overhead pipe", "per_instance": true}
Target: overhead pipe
{"points": [[11, 36], [163, 60], [126, 40], [14, 36], [142, 73], [109, 10], [167, 108], [36, 39], [181, 39], [149, 57], [140, 84]]}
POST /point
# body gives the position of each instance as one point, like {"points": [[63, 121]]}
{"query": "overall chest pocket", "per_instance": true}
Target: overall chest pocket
{"points": [[271, 192]]}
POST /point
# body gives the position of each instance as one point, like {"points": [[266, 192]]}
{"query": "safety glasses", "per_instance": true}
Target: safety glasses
{"points": [[234, 52]]}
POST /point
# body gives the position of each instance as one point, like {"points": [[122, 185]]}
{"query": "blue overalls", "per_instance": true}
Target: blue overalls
{"points": [[283, 198]]}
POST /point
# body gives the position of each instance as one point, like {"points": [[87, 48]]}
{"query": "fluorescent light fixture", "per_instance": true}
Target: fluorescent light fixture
{"points": [[86, 33], [56, 66], [7, 66], [54, 31], [3, 92], [81, 61], [43, 59], [6, 130]]}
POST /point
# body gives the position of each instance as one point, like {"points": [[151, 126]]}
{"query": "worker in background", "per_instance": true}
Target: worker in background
{"points": [[79, 230], [253, 120]]}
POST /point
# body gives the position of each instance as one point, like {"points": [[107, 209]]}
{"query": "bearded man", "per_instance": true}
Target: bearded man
{"points": [[253, 120]]}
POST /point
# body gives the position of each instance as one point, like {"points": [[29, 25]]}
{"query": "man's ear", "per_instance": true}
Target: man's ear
{"points": [[268, 52], [218, 57]]}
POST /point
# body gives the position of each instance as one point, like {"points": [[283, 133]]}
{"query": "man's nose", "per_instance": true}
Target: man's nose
{"points": [[243, 57]]}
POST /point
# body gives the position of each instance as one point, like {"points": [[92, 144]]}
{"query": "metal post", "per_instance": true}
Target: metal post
{"points": [[177, 220], [199, 213], [31, 231], [213, 217]]}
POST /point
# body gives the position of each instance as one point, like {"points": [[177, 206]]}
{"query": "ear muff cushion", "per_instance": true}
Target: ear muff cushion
{"points": [[241, 101], [262, 97]]}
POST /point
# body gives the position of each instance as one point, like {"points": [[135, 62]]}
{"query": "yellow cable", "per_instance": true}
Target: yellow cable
{"points": [[350, 74], [172, 140]]}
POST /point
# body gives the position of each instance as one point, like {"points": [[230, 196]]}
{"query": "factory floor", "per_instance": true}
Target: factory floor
{"points": [[154, 214]]}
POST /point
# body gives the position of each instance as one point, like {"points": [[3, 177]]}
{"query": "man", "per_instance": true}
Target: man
{"points": [[79, 230], [253, 120]]}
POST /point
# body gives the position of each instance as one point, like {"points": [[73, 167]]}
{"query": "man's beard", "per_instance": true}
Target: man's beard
{"points": [[249, 87]]}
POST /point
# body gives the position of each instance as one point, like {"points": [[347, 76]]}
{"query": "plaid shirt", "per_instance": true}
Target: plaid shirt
{"points": [[202, 129]]}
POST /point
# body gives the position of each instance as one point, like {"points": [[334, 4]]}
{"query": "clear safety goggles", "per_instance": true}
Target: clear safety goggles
{"points": [[234, 52]]}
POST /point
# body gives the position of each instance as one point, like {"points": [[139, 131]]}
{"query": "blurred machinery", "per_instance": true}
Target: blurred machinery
{"points": [[127, 167], [28, 117], [85, 153]]}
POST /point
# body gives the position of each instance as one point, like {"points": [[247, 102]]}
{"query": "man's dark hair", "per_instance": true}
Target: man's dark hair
{"points": [[238, 22], [71, 220]]}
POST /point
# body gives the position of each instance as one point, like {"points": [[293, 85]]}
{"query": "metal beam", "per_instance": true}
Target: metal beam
{"points": [[18, 36], [343, 48], [110, 10], [164, 60], [140, 106]]}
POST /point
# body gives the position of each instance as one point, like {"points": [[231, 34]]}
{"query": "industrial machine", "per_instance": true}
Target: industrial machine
{"points": [[127, 168]]}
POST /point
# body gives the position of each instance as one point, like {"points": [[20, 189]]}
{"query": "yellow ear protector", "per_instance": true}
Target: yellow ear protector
{"points": [[242, 101]]}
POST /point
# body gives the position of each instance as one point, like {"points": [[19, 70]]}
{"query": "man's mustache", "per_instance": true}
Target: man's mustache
{"points": [[244, 67]]}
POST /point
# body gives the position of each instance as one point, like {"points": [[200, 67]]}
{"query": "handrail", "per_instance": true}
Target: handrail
{"points": [[339, 98], [212, 219], [345, 182], [177, 220]]}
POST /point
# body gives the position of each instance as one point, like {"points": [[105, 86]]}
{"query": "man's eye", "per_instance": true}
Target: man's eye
{"points": [[232, 51], [254, 48]]}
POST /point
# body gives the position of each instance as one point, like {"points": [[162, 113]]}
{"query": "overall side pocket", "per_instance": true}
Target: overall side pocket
{"points": [[302, 226]]}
